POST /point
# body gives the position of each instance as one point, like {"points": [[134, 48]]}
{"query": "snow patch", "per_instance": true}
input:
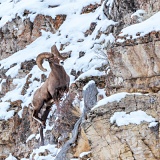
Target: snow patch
{"points": [[138, 13], [136, 117], [4, 113], [115, 97], [13, 71], [153, 124], [9, 9], [10, 157], [149, 25], [88, 84], [84, 153], [30, 137], [51, 148], [90, 73], [20, 113]]}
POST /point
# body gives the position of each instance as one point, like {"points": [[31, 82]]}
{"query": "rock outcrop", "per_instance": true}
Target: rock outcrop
{"points": [[109, 141], [134, 67], [15, 36], [18, 33]]}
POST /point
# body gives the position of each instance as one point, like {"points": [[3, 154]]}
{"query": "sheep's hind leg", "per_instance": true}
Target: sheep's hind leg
{"points": [[47, 106], [45, 115], [35, 116]]}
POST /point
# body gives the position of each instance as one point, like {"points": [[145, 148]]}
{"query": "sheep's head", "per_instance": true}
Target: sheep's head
{"points": [[53, 57]]}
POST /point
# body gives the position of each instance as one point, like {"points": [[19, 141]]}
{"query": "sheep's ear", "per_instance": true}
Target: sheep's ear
{"points": [[54, 50]]}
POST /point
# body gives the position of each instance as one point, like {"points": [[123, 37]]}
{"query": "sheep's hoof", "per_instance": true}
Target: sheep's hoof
{"points": [[43, 125]]}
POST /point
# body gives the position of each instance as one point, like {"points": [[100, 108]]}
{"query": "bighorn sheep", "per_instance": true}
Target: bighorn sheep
{"points": [[54, 87]]}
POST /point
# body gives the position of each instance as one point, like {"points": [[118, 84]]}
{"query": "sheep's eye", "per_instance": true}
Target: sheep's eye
{"points": [[51, 59], [61, 62]]}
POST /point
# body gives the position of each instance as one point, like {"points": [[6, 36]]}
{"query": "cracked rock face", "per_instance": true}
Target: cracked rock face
{"points": [[142, 60], [131, 142], [135, 64]]}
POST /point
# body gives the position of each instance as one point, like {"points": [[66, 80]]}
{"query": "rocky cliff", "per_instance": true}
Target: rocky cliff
{"points": [[126, 71]]}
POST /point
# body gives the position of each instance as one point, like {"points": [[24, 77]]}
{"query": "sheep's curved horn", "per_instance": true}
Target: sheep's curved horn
{"points": [[55, 51], [39, 60]]}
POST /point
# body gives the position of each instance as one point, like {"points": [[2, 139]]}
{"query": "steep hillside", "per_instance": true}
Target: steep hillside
{"points": [[114, 44]]}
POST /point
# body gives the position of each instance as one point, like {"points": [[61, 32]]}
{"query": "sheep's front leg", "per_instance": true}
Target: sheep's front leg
{"points": [[58, 106]]}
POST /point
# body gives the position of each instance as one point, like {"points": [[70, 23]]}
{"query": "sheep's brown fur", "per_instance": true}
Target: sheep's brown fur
{"points": [[54, 87]]}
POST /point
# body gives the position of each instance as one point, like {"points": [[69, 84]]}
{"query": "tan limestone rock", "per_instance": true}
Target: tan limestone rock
{"points": [[135, 61], [108, 141], [82, 144], [135, 65]]}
